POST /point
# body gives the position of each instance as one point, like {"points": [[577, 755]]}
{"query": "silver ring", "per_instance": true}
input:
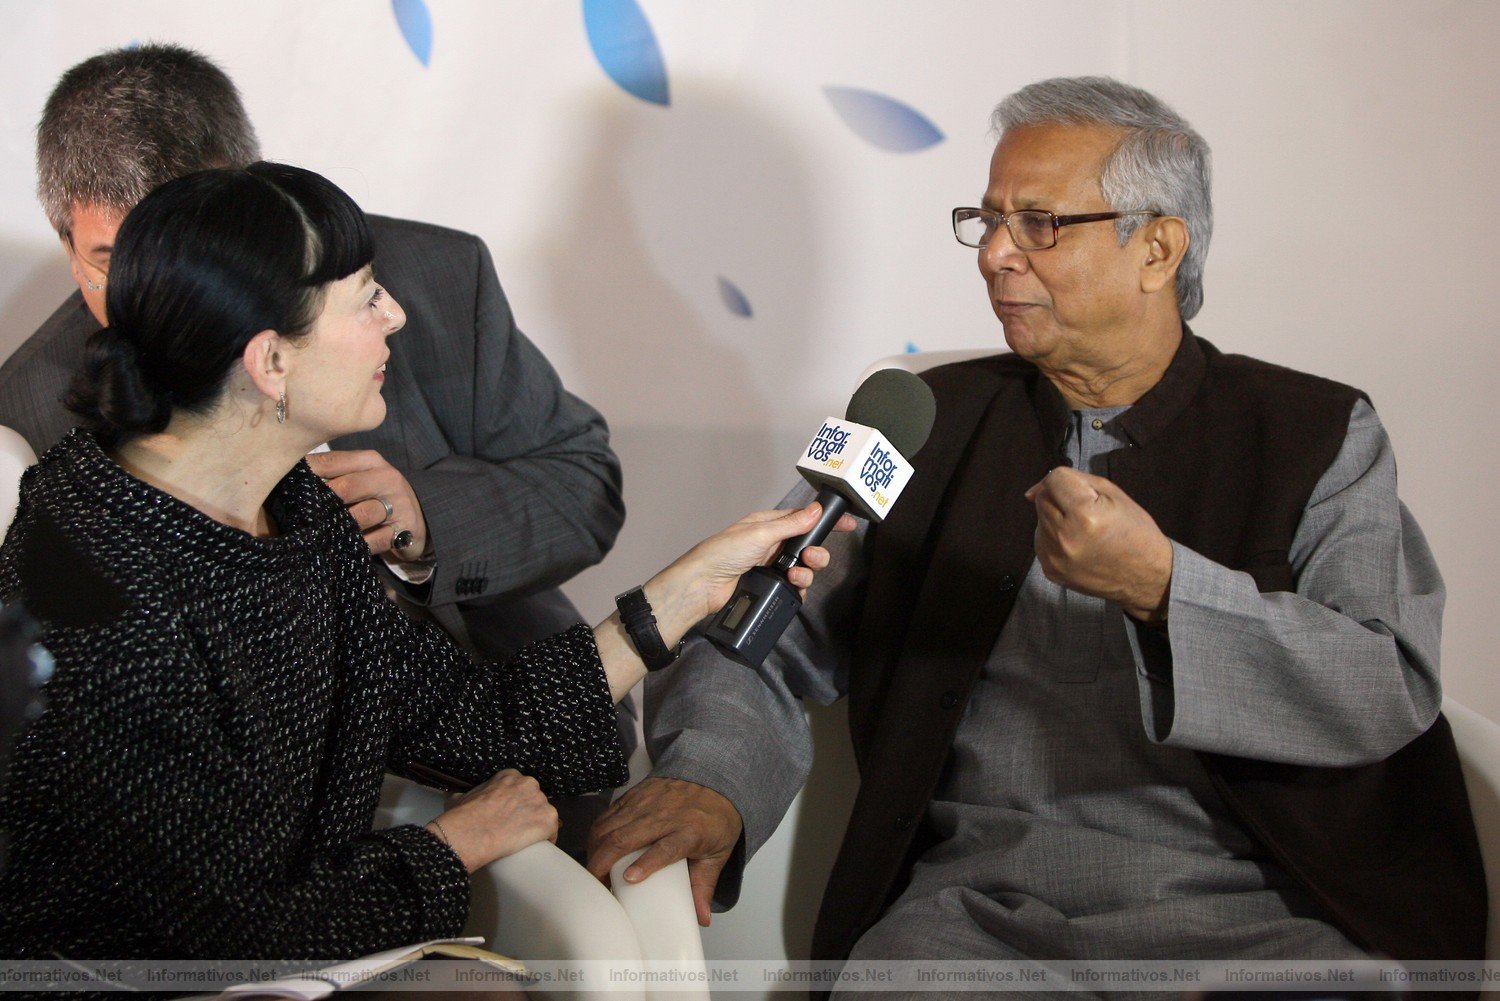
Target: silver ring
{"points": [[402, 539], [390, 512]]}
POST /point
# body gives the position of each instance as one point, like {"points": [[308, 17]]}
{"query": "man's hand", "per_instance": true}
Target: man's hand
{"points": [[677, 819], [362, 479], [1091, 537]]}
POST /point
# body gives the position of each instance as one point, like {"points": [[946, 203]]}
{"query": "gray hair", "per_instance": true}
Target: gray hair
{"points": [[1161, 164], [123, 122]]}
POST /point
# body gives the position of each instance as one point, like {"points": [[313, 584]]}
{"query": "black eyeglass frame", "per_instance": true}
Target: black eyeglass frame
{"points": [[1058, 222]]}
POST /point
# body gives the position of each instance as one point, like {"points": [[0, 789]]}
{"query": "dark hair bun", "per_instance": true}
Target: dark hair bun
{"points": [[202, 265], [112, 394]]}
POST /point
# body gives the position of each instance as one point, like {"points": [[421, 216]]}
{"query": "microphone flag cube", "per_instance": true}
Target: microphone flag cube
{"points": [[860, 463]]}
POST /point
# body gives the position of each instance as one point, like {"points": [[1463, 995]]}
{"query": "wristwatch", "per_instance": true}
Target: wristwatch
{"points": [[640, 624]]}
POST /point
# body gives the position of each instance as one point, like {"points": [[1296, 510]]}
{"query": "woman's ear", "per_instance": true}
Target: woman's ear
{"points": [[265, 362]]}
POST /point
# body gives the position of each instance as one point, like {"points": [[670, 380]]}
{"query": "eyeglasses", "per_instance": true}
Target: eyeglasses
{"points": [[1031, 229]]}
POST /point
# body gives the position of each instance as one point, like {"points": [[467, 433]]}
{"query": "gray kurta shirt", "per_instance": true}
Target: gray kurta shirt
{"points": [[1078, 823], [1067, 832]]}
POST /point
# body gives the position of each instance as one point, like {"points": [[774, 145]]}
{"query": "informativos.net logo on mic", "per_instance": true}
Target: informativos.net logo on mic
{"points": [[855, 467], [827, 443], [860, 463]]}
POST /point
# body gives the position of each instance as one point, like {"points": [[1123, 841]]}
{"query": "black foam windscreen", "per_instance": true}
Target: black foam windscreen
{"points": [[898, 405]]}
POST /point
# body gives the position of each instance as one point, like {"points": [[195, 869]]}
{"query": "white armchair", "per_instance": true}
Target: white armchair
{"points": [[15, 456], [921, 361], [539, 905], [1478, 741]]}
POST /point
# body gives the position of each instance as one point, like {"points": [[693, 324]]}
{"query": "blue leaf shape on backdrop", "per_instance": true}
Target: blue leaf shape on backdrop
{"points": [[912, 349], [415, 22], [626, 48], [883, 121], [734, 299]]}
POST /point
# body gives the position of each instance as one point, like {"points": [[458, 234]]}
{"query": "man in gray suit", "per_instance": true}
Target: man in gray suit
{"points": [[487, 485], [1145, 663]]}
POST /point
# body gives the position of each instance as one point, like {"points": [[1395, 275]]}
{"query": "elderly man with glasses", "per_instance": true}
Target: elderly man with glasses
{"points": [[1145, 663]]}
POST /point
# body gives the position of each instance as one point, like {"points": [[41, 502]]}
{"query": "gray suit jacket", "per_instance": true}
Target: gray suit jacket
{"points": [[515, 474]]}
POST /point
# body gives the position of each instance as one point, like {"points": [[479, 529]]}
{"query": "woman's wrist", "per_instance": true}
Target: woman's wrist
{"points": [[678, 601], [435, 827]]}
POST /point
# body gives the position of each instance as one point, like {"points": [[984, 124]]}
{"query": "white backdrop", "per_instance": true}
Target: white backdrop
{"points": [[1357, 150]]}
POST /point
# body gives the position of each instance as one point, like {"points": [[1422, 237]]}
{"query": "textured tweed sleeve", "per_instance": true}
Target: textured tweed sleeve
{"points": [[546, 712], [131, 789]]}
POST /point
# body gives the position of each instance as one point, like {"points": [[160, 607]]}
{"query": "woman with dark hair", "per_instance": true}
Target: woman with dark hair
{"points": [[231, 682]]}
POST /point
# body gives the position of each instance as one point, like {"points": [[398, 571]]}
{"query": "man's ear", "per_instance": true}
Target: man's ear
{"points": [[1166, 241], [266, 363]]}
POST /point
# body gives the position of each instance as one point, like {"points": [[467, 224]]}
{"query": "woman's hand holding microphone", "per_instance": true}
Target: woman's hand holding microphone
{"points": [[699, 582], [510, 812]]}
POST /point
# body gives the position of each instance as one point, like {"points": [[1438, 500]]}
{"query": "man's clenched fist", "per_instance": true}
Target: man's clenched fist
{"points": [[1091, 537]]}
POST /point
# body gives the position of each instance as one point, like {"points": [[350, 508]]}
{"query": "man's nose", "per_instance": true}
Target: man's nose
{"points": [[1000, 252]]}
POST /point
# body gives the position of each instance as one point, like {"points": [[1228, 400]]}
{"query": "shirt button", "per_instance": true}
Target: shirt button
{"points": [[949, 700], [903, 822], [1098, 424]]}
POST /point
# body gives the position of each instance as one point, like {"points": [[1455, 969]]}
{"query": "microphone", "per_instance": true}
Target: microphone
{"points": [[859, 465]]}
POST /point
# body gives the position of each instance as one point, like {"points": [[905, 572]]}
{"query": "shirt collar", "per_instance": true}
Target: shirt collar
{"points": [[1151, 413]]}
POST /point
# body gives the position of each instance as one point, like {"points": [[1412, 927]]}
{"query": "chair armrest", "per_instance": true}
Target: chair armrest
{"points": [[15, 456], [921, 361], [1478, 740], [403, 801], [538, 904], [660, 908]]}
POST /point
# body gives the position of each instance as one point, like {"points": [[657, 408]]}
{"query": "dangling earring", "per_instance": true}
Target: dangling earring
{"points": [[92, 285], [281, 409]]}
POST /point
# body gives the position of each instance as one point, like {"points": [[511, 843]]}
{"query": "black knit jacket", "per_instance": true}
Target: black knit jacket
{"points": [[203, 780]]}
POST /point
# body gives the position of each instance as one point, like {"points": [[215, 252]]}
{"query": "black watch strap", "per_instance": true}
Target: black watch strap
{"points": [[640, 624]]}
